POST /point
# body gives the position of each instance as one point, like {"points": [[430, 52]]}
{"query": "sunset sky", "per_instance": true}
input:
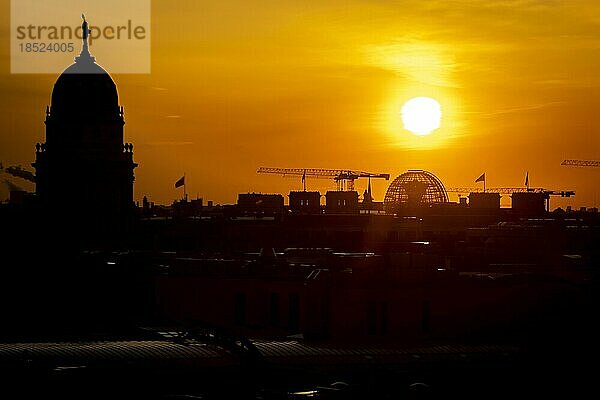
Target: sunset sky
{"points": [[236, 85]]}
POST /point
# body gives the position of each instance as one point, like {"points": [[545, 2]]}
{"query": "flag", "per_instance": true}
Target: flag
{"points": [[180, 182], [527, 179], [481, 178]]}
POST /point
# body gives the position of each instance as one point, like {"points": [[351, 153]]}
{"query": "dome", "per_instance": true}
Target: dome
{"points": [[85, 89], [414, 188]]}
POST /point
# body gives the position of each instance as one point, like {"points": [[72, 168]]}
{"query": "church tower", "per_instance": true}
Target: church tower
{"points": [[84, 169]]}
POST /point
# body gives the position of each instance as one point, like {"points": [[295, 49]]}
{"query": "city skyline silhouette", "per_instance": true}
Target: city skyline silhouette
{"points": [[193, 270], [288, 106]]}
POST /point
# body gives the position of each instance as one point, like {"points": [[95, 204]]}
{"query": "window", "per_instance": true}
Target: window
{"points": [[425, 316], [294, 311], [377, 318], [240, 309], [372, 318], [383, 321], [274, 309]]}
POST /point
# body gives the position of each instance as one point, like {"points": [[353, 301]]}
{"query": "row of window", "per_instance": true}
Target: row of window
{"points": [[377, 318], [275, 319], [377, 314]]}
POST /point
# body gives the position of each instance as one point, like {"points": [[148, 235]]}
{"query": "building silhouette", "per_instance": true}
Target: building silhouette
{"points": [[84, 168]]}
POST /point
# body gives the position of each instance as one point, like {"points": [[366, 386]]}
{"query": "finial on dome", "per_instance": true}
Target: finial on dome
{"points": [[85, 52]]}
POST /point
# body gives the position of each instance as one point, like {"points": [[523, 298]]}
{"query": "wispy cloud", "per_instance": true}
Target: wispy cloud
{"points": [[569, 83], [521, 108], [169, 143], [418, 60]]}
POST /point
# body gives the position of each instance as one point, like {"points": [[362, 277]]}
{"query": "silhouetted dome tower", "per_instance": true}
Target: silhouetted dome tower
{"points": [[84, 167], [413, 189]]}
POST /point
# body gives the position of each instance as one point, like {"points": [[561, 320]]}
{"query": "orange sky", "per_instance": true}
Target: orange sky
{"points": [[282, 83]]}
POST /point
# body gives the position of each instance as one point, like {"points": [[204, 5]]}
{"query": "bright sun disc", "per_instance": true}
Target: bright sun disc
{"points": [[421, 115]]}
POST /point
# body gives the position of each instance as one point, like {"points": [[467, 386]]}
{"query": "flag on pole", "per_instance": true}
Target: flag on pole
{"points": [[180, 182], [527, 180], [481, 178]]}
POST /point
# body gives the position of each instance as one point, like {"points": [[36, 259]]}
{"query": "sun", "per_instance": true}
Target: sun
{"points": [[421, 115]]}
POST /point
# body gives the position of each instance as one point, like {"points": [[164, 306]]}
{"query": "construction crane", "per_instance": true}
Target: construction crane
{"points": [[581, 163], [509, 190], [344, 178]]}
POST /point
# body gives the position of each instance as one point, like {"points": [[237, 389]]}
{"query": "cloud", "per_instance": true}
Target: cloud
{"points": [[569, 83], [169, 143], [418, 60], [526, 107]]}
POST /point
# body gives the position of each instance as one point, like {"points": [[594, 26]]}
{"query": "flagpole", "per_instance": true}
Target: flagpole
{"points": [[304, 179]]}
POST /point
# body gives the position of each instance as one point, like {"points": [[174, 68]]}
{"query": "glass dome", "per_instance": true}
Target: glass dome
{"points": [[415, 188]]}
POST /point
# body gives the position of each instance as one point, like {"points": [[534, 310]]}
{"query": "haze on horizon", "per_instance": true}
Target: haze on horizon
{"points": [[237, 86]]}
